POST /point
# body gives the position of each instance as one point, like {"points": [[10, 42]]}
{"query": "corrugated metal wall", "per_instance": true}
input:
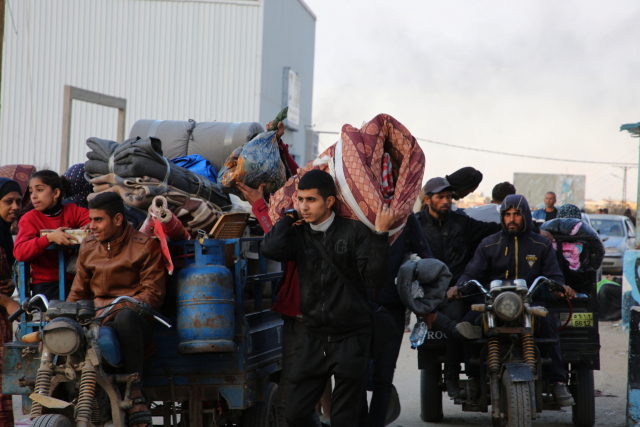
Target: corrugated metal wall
{"points": [[170, 60]]}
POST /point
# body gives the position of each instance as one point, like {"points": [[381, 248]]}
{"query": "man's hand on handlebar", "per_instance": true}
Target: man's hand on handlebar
{"points": [[568, 293], [453, 293]]}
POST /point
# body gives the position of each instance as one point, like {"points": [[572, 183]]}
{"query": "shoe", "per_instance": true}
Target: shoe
{"points": [[468, 331], [561, 394], [453, 388]]}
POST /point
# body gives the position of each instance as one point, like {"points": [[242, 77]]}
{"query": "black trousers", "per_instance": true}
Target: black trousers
{"points": [[347, 361], [134, 333], [384, 369], [454, 310]]}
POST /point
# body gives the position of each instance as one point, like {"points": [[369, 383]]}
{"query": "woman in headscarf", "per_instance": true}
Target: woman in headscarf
{"points": [[569, 211], [10, 204]]}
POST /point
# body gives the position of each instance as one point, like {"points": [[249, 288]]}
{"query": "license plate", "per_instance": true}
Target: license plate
{"points": [[578, 320]]}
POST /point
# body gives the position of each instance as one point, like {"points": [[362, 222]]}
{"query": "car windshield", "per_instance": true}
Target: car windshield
{"points": [[608, 227]]}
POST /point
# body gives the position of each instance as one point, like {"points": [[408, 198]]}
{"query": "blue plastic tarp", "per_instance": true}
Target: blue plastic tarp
{"points": [[197, 164]]}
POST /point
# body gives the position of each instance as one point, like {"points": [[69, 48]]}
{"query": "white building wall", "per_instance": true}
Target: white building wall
{"points": [[171, 60]]}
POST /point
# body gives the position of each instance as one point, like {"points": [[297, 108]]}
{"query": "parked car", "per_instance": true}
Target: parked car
{"points": [[618, 234]]}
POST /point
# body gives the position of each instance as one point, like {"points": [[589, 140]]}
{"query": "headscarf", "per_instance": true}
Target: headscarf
{"points": [[464, 179], [569, 211], [6, 239], [81, 187]]}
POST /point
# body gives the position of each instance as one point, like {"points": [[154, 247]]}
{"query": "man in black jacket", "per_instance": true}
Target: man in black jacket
{"points": [[336, 313], [453, 238], [517, 253]]}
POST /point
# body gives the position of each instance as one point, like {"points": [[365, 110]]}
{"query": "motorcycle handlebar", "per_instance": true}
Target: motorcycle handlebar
{"points": [[16, 314], [141, 307], [463, 289], [28, 304]]}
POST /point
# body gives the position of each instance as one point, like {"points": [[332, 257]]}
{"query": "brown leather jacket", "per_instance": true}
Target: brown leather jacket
{"points": [[131, 265]]}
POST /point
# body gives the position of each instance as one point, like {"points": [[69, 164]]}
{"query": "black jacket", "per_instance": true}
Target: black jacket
{"points": [[410, 241], [454, 239], [523, 256], [332, 310]]}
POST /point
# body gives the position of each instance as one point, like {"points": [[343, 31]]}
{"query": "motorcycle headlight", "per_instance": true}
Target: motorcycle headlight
{"points": [[63, 336], [611, 250], [508, 306]]}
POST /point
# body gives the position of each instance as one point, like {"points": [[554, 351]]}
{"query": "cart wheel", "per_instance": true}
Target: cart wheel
{"points": [[263, 414], [51, 420], [582, 390], [430, 393]]}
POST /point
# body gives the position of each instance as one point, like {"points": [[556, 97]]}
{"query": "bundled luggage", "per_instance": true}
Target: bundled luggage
{"points": [[577, 254], [363, 179]]}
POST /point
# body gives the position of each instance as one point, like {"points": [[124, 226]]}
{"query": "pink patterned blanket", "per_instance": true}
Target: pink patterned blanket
{"points": [[355, 162]]}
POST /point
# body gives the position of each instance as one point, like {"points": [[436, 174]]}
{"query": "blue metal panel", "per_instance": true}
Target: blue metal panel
{"points": [[20, 360]]}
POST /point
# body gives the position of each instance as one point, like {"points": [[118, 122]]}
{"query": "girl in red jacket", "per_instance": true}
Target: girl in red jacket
{"points": [[47, 190]]}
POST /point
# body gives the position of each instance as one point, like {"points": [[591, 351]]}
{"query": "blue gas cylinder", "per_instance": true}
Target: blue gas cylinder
{"points": [[205, 302]]}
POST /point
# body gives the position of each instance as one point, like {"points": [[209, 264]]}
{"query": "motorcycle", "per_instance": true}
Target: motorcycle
{"points": [[77, 383], [510, 361]]}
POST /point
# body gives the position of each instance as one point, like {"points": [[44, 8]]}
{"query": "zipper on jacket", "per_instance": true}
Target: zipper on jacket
{"points": [[322, 283], [104, 269], [516, 257]]}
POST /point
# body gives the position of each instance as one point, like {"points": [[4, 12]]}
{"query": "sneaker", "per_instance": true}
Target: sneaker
{"points": [[561, 394], [453, 388], [468, 331]]}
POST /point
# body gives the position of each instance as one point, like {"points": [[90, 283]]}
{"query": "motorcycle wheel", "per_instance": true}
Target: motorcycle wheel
{"points": [[51, 420], [582, 390], [430, 393], [263, 414], [518, 402]]}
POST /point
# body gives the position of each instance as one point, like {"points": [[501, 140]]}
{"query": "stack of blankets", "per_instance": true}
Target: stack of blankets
{"points": [[138, 171]]}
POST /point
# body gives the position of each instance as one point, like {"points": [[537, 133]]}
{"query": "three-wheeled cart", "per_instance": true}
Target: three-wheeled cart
{"points": [[579, 343], [220, 361]]}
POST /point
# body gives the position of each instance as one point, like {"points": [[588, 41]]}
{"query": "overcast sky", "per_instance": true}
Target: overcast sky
{"points": [[542, 78]]}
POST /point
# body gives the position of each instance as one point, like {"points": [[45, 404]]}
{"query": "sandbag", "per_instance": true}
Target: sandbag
{"points": [[256, 163], [578, 228], [432, 275], [355, 162], [215, 141]]}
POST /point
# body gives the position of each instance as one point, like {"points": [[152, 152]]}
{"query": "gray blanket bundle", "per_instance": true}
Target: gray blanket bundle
{"points": [[139, 157], [433, 276]]}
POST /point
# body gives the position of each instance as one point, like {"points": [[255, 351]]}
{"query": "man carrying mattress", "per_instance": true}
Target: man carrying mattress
{"points": [[336, 259]]}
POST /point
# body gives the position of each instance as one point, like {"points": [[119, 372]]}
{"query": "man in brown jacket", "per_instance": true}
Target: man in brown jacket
{"points": [[114, 261]]}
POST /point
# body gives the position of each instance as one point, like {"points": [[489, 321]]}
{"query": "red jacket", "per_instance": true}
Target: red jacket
{"points": [[288, 301], [31, 247]]}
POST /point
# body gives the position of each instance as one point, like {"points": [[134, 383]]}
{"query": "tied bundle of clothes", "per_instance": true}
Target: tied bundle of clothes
{"points": [[138, 171], [580, 255], [356, 163], [257, 162]]}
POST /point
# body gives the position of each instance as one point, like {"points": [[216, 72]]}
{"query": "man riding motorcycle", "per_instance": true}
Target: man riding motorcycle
{"points": [[115, 261], [517, 253]]}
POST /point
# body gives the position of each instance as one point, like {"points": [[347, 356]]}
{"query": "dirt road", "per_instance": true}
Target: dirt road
{"points": [[611, 381]]}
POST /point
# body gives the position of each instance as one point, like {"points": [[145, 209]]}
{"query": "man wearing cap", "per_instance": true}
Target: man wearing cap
{"points": [[453, 239]]}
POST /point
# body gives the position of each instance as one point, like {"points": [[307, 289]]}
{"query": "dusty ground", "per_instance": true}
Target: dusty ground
{"points": [[611, 380]]}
